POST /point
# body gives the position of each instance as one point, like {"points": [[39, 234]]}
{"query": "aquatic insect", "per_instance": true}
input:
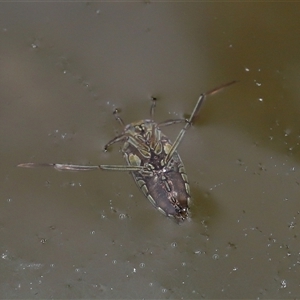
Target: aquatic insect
{"points": [[152, 159]]}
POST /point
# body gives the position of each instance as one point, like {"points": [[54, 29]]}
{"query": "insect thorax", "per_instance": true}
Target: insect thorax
{"points": [[146, 145]]}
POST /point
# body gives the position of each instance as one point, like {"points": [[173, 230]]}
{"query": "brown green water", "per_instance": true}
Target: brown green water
{"points": [[64, 68]]}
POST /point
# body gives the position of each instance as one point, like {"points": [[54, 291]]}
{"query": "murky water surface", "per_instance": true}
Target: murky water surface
{"points": [[64, 68]]}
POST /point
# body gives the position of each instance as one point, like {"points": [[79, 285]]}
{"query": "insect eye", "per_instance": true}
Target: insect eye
{"points": [[139, 129]]}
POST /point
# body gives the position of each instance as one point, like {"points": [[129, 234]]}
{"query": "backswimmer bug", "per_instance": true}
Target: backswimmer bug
{"points": [[152, 159]]}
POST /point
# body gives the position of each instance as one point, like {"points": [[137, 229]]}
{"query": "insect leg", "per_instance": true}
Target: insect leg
{"points": [[192, 118], [67, 167], [171, 122], [59, 167], [203, 96], [152, 108], [117, 139], [121, 168], [118, 118]]}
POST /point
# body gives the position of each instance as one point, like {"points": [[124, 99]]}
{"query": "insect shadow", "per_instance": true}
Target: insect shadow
{"points": [[152, 159]]}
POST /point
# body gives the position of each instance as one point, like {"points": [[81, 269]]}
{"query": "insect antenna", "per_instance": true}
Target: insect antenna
{"points": [[192, 118]]}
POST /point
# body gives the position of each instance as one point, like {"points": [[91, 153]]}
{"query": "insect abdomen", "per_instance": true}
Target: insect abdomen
{"points": [[168, 191]]}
